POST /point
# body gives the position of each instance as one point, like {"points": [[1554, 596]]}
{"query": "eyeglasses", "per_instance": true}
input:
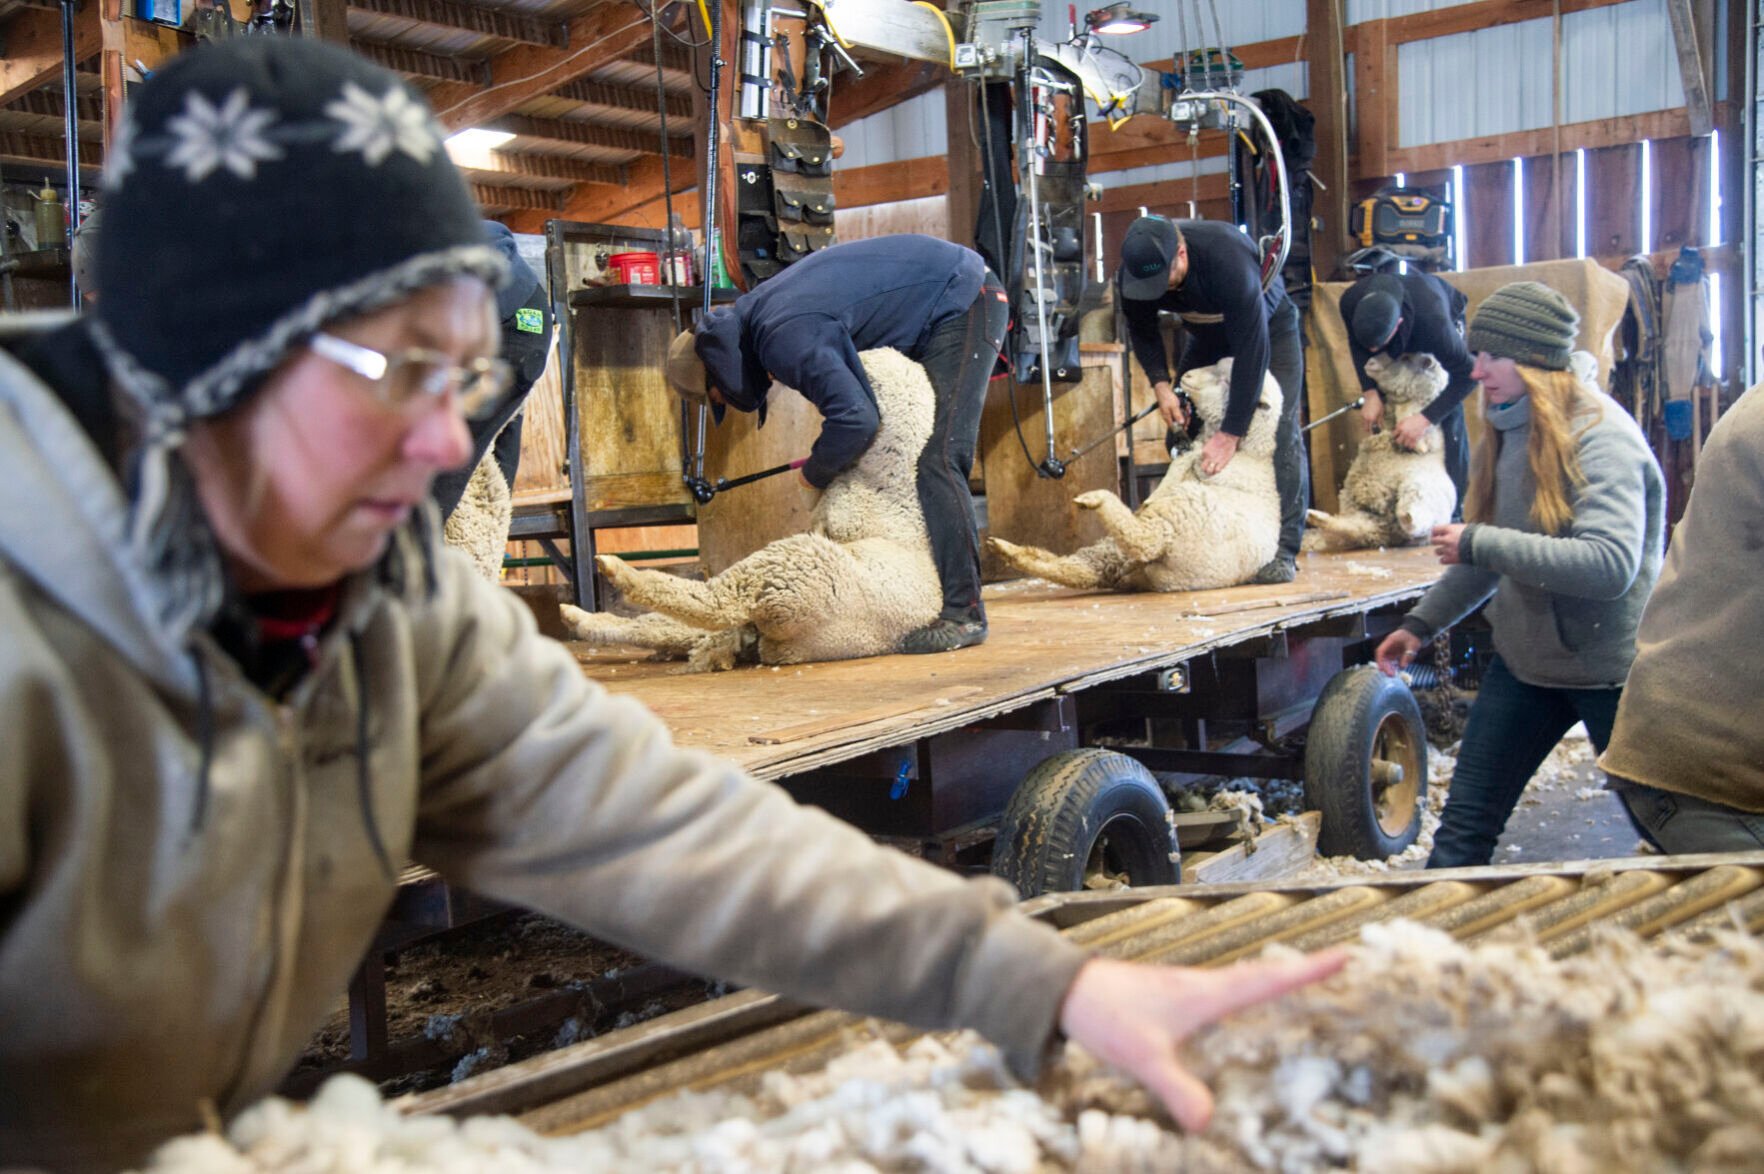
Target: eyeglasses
{"points": [[417, 374]]}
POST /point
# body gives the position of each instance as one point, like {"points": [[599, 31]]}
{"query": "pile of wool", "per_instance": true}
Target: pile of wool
{"points": [[1423, 1056], [1426, 1056]]}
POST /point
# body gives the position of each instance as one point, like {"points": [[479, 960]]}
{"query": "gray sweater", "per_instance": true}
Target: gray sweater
{"points": [[1565, 606]]}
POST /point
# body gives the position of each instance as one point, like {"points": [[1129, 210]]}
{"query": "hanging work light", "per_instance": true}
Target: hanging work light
{"points": [[1118, 20]]}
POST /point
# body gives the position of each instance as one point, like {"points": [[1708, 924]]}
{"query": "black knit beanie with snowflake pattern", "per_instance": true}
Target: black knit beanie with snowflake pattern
{"points": [[257, 189]]}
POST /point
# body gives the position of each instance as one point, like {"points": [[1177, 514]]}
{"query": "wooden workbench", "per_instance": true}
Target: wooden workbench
{"points": [[1044, 640]]}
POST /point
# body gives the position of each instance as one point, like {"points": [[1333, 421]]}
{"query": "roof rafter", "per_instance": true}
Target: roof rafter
{"points": [[29, 148], [421, 64], [33, 47], [593, 93], [590, 134], [507, 24], [544, 167], [517, 199], [602, 34]]}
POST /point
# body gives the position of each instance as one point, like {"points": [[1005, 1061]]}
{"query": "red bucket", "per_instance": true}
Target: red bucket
{"points": [[636, 268]]}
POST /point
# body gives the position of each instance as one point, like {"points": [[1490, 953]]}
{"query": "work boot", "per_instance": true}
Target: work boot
{"points": [[943, 635], [1282, 568]]}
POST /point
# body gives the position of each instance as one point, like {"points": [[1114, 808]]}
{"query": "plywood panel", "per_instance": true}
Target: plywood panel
{"points": [[1024, 506], [543, 469], [1549, 220], [630, 417], [739, 522]]}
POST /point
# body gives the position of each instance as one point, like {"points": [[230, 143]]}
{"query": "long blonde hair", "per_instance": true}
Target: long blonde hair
{"points": [[1563, 407]]}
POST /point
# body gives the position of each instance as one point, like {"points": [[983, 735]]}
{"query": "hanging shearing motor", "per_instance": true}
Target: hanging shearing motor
{"points": [[1057, 89]]}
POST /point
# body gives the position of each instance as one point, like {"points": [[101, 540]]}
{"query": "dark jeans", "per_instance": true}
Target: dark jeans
{"points": [[1682, 825], [1457, 455], [958, 357], [1292, 467], [1512, 729]]}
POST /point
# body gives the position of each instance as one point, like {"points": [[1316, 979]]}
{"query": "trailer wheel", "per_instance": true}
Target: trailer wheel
{"points": [[1086, 816], [1366, 765]]}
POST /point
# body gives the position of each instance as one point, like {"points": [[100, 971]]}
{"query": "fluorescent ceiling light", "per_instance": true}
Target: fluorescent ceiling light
{"points": [[477, 139]]}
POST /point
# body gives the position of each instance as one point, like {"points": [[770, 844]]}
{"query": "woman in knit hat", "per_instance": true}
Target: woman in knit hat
{"points": [[1563, 541], [241, 685]]}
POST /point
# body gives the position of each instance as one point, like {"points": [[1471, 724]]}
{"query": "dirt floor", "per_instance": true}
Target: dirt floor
{"points": [[451, 984]]}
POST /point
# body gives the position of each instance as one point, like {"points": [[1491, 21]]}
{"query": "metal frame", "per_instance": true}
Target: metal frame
{"points": [[581, 521]]}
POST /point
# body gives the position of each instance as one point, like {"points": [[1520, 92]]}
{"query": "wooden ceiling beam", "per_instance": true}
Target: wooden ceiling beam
{"points": [[544, 167], [49, 104], [611, 97], [881, 87], [16, 147], [674, 55], [590, 134], [505, 24], [32, 45], [602, 34], [417, 63], [599, 205], [516, 199]]}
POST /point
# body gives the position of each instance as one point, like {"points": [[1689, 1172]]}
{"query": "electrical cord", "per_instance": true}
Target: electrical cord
{"points": [[1002, 244]]}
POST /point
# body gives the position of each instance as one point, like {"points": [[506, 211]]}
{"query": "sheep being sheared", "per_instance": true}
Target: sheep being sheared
{"points": [[1392, 496], [1193, 532], [853, 585]]}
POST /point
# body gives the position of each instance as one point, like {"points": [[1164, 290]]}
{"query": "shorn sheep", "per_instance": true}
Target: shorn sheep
{"points": [[1193, 532], [1392, 496], [853, 585]]}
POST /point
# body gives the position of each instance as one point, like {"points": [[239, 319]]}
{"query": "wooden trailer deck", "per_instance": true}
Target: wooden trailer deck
{"points": [[1045, 641]]}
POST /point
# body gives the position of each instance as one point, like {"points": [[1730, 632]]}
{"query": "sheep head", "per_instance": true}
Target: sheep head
{"points": [[1210, 387], [1409, 382]]}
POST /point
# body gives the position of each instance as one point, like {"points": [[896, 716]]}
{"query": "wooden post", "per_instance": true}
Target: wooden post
{"points": [[1690, 66], [1375, 84], [1327, 60], [327, 20], [963, 161]]}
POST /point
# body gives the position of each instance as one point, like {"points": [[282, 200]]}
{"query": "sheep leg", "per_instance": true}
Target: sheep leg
{"points": [[713, 605], [1138, 540], [721, 651], [1100, 564], [667, 636], [1421, 506], [1352, 530]]}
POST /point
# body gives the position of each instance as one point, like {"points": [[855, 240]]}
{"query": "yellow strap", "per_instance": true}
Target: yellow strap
{"points": [[705, 13], [942, 18]]}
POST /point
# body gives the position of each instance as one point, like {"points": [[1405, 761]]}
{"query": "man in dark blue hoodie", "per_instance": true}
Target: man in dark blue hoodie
{"points": [[524, 307], [933, 301]]}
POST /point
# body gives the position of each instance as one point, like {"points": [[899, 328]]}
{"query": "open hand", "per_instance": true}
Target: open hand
{"points": [[1217, 453], [1135, 1016]]}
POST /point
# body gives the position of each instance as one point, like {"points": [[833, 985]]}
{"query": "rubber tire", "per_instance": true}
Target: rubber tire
{"points": [[1054, 818], [1338, 762]]}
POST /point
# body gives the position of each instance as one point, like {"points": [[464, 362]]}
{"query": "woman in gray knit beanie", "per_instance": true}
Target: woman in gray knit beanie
{"points": [[244, 686], [1563, 538]]}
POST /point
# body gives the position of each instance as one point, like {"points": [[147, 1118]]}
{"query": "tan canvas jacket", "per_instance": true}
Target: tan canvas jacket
{"points": [[189, 871]]}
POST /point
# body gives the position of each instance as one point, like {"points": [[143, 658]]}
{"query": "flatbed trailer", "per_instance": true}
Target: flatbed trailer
{"points": [[1032, 754], [1076, 691]]}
